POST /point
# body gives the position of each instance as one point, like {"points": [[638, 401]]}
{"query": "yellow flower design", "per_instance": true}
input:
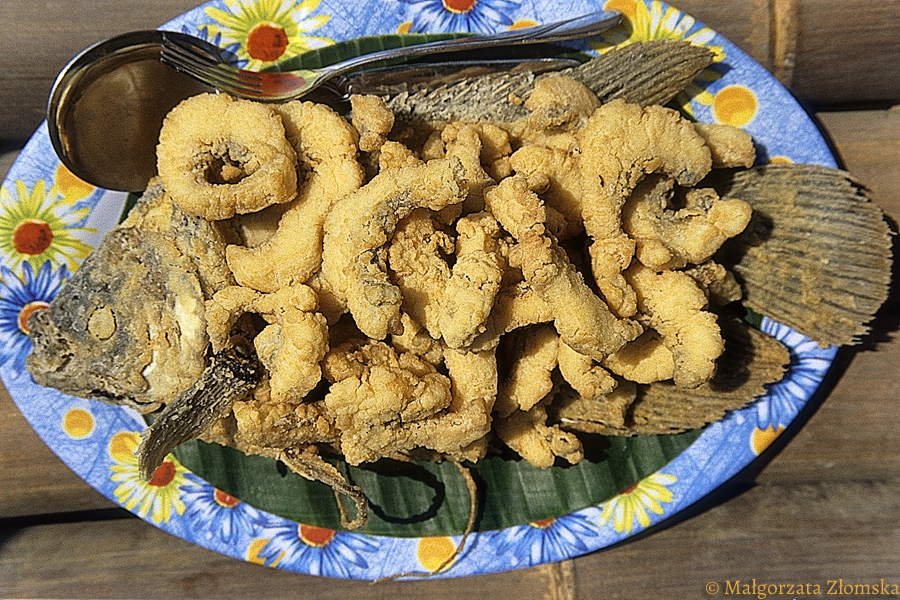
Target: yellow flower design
{"points": [[37, 227], [158, 497], [641, 24], [632, 504], [267, 31]]}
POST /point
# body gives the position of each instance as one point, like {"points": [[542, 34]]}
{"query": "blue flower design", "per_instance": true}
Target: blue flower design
{"points": [[809, 363], [545, 541], [219, 515], [19, 298], [315, 550], [483, 16]]}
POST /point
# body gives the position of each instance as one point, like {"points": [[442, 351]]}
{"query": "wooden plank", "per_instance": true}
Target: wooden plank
{"points": [[128, 558], [783, 533], [776, 533]]}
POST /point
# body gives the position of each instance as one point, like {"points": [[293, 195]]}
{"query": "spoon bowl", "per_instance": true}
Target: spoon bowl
{"points": [[108, 104]]}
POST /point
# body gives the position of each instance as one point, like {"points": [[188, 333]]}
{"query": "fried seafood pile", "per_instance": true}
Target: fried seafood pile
{"points": [[448, 292], [299, 283]]}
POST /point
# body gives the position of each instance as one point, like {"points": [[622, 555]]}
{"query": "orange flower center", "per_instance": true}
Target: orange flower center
{"points": [[32, 237], [28, 310], [543, 523], [225, 500], [459, 6], [163, 475], [316, 536], [631, 488], [267, 42]]}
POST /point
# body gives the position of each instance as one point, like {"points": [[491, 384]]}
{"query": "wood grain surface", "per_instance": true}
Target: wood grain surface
{"points": [[824, 508]]}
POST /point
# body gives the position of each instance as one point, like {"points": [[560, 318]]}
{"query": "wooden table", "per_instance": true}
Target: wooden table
{"points": [[824, 509]]}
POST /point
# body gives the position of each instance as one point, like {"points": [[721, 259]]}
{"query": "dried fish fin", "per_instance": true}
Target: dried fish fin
{"points": [[817, 253], [644, 73], [310, 465], [752, 360], [231, 374]]}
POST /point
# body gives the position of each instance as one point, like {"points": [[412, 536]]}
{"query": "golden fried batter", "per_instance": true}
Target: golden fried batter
{"points": [[620, 144], [417, 260], [326, 148], [530, 379], [671, 239], [469, 292], [359, 226], [290, 347], [582, 319], [673, 304], [219, 156]]}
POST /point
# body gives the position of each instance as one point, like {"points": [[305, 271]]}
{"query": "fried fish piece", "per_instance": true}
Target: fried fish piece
{"points": [[359, 226]]}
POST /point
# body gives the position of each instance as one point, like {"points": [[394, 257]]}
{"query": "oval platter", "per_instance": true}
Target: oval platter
{"points": [[49, 222]]}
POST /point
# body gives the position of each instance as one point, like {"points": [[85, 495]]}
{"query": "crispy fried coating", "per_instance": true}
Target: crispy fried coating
{"points": [[359, 226], [515, 306], [283, 425], [620, 144], [387, 404], [729, 146], [562, 191], [671, 239], [582, 319], [559, 101], [372, 119], [581, 372], [219, 156], [644, 360], [326, 148], [463, 141], [473, 376], [417, 260], [530, 378], [469, 292], [673, 304], [528, 434], [290, 346]]}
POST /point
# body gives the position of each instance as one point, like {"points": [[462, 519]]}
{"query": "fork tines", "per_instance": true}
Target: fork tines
{"points": [[212, 71]]}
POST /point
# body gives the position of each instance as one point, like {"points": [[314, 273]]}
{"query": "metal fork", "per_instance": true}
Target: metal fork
{"points": [[210, 67]]}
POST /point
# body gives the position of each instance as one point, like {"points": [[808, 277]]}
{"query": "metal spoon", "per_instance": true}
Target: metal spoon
{"points": [[107, 105]]}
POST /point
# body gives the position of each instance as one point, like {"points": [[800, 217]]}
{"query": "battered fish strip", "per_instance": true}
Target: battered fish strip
{"points": [[219, 156], [357, 230], [620, 145], [582, 319], [326, 148]]}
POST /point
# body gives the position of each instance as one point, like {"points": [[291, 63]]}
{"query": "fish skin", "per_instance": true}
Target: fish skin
{"points": [[128, 328], [642, 73]]}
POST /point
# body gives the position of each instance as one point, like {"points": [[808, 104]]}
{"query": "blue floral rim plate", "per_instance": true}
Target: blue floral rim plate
{"points": [[49, 222]]}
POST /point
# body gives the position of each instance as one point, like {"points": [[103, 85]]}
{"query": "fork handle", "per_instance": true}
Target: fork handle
{"points": [[569, 29]]}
